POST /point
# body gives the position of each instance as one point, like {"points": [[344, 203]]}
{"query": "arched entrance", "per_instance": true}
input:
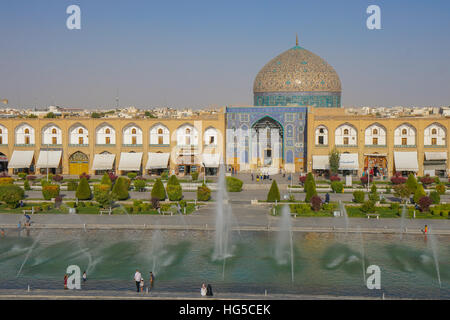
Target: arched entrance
{"points": [[78, 163], [268, 136]]}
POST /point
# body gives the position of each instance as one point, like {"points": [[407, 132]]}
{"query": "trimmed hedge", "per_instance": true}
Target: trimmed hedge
{"points": [[11, 195], [83, 190], [234, 184], [358, 196], [6, 181], [194, 176], [72, 185], [274, 193], [139, 184], [173, 181], [203, 193], [106, 180], [158, 191], [337, 186], [50, 191], [120, 188], [174, 192]]}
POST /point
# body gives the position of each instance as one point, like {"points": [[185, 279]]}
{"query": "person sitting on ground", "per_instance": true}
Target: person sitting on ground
{"points": [[203, 290]]}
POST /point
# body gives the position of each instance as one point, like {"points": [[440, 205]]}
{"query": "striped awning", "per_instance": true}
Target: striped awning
{"points": [[49, 159], [130, 161], [21, 159], [104, 161], [157, 160]]}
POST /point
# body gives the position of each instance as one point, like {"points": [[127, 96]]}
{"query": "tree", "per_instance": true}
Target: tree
{"points": [[274, 193], [310, 187], [419, 193], [174, 192], [203, 193], [424, 203], [95, 115], [105, 198], [83, 190], [435, 197], [316, 203], [358, 196], [11, 195], [334, 158], [50, 115], [411, 183], [373, 195], [106, 180], [173, 181], [401, 191], [158, 191], [120, 189]]}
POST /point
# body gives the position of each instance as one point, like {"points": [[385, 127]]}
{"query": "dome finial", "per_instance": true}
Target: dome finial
{"points": [[296, 40]]}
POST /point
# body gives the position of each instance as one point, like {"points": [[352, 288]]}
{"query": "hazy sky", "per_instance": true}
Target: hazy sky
{"points": [[198, 53]]}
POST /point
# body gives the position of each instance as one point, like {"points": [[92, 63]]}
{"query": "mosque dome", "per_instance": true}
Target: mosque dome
{"points": [[300, 77]]}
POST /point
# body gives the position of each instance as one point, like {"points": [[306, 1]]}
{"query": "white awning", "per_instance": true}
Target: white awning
{"points": [[321, 163], [348, 161], [375, 154], [406, 161], [157, 161], [21, 159], [130, 161], [104, 161], [211, 160], [49, 159], [435, 155]]}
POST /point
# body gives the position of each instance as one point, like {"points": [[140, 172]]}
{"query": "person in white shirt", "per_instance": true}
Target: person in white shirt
{"points": [[203, 290], [137, 278]]}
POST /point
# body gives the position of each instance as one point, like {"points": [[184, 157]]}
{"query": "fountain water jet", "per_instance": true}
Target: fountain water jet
{"points": [[284, 244], [402, 221], [434, 248]]}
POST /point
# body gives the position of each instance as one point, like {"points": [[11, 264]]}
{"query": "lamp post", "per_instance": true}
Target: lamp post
{"points": [[204, 173]]}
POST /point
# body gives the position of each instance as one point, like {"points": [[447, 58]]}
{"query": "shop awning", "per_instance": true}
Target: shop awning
{"points": [[375, 154], [49, 159], [130, 161], [321, 163], [104, 161], [348, 161], [435, 155], [157, 161], [406, 161], [21, 159], [211, 160]]}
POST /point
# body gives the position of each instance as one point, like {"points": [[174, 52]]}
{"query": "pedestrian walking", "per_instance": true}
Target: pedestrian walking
{"points": [[327, 198], [66, 277], [137, 278], [152, 280], [84, 276]]}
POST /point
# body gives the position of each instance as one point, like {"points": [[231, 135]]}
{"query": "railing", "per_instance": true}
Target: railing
{"points": [[23, 145], [375, 146], [105, 144], [50, 145], [405, 146], [78, 145], [346, 146], [131, 145], [321, 146], [435, 146], [159, 145]]}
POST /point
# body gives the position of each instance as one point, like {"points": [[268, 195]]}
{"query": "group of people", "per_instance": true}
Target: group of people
{"points": [[206, 290], [66, 278], [261, 177], [140, 283]]}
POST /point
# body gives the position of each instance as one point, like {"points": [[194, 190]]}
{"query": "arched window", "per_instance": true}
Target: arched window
{"points": [[80, 131], [188, 131], [27, 131], [53, 131], [160, 131], [404, 131], [345, 131], [133, 131], [375, 131], [434, 131], [107, 131]]}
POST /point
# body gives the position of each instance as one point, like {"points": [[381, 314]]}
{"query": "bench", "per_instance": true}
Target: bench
{"points": [[105, 212], [373, 215], [28, 211], [166, 213]]}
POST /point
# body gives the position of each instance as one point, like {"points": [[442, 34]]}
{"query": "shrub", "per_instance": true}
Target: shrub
{"points": [[335, 178], [22, 175], [26, 185], [397, 179], [72, 185], [11, 195], [358, 196], [155, 203], [120, 189], [234, 184], [368, 207], [85, 175], [58, 201], [365, 179], [31, 178], [139, 184], [105, 198], [401, 191], [388, 190], [58, 178], [395, 206], [44, 182], [112, 176], [101, 188], [419, 193], [131, 175], [302, 179], [106, 180], [50, 191], [274, 193], [310, 187], [203, 193], [373, 195], [424, 204], [435, 197], [427, 180], [337, 186], [174, 192], [173, 181], [83, 190], [411, 183], [440, 188], [158, 191], [316, 203], [6, 181], [164, 175], [194, 176]]}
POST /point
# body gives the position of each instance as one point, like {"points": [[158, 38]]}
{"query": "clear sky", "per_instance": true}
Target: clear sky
{"points": [[198, 53]]}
